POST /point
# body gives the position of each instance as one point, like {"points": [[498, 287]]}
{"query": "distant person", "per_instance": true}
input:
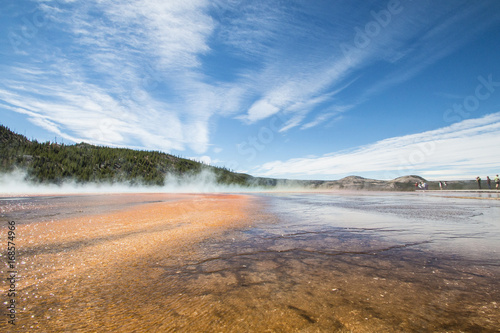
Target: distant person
{"points": [[440, 185], [497, 181], [488, 182], [445, 184], [416, 186], [478, 180]]}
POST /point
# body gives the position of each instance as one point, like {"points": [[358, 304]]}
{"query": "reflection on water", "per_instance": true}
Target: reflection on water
{"points": [[360, 263], [456, 225], [300, 263]]}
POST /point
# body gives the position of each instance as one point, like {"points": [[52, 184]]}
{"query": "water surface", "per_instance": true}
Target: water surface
{"points": [[296, 262], [372, 262]]}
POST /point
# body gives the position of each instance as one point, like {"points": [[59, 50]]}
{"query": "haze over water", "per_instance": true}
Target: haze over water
{"points": [[295, 262]]}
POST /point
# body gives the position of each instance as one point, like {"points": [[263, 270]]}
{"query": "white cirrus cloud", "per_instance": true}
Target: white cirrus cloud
{"points": [[105, 85], [453, 152], [139, 73], [415, 37]]}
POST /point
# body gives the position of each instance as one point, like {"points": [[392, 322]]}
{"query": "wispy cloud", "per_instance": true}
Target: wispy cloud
{"points": [[106, 86], [321, 119], [457, 151], [81, 111], [415, 37], [426, 36], [136, 74]]}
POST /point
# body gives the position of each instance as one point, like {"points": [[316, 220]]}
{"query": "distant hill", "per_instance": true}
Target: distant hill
{"points": [[406, 183]]}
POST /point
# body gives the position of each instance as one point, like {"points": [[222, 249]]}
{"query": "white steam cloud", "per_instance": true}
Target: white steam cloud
{"points": [[16, 183], [205, 182]]}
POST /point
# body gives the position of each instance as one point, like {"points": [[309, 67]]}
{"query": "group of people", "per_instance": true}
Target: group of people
{"points": [[444, 185], [425, 186], [488, 182], [422, 186]]}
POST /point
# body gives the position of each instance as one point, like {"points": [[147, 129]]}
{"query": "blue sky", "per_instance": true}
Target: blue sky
{"points": [[289, 89]]}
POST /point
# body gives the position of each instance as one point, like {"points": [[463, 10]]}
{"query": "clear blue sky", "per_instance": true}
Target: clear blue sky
{"points": [[290, 89]]}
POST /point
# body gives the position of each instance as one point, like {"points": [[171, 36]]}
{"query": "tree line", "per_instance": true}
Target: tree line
{"points": [[51, 162]]}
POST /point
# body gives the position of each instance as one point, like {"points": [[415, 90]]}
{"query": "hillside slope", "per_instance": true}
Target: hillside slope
{"points": [[55, 163]]}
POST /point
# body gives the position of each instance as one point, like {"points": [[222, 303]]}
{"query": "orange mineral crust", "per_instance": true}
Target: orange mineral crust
{"points": [[104, 272], [252, 263]]}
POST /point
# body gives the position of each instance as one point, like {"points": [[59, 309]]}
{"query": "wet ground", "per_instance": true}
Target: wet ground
{"points": [[350, 262]]}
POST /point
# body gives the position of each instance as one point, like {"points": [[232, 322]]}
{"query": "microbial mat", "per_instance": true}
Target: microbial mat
{"points": [[269, 262]]}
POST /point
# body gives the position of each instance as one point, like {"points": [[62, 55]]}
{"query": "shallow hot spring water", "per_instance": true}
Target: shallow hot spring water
{"points": [[296, 262]]}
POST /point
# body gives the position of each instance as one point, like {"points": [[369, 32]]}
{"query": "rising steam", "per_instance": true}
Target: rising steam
{"points": [[204, 182]]}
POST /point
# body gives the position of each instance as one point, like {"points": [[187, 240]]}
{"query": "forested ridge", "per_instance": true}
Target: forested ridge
{"points": [[56, 163], [52, 162]]}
